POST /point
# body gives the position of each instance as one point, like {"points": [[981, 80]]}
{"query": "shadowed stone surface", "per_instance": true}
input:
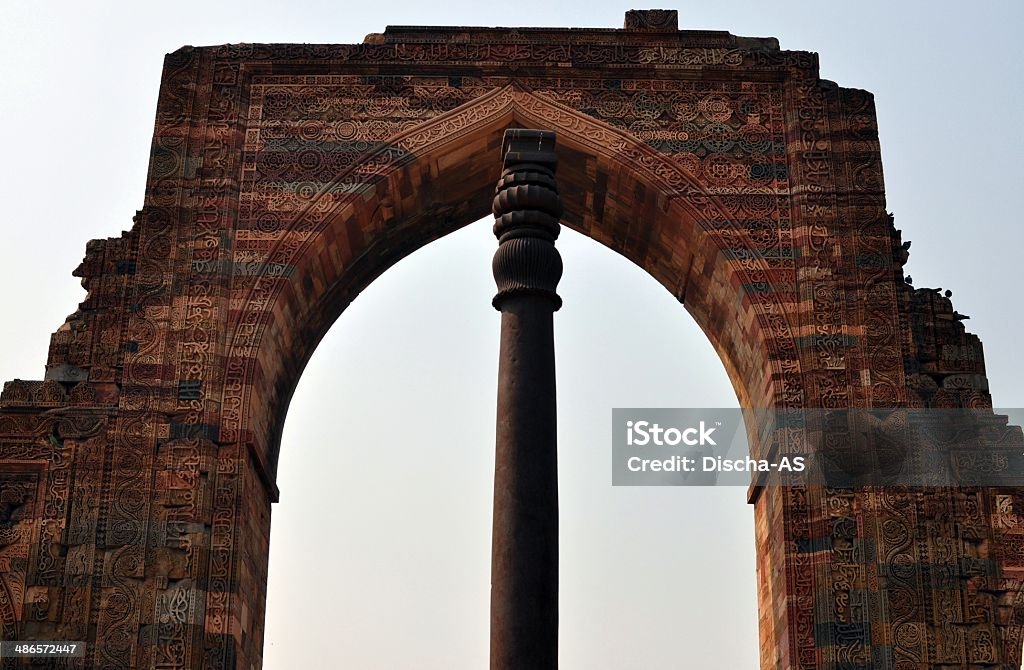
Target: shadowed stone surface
{"points": [[527, 267]]}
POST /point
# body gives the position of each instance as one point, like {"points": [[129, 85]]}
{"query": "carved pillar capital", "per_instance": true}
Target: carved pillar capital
{"points": [[527, 208]]}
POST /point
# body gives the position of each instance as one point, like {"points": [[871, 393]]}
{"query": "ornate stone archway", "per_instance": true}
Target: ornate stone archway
{"points": [[137, 479]]}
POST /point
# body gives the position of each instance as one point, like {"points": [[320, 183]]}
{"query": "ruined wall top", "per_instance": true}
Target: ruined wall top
{"points": [[657, 30]]}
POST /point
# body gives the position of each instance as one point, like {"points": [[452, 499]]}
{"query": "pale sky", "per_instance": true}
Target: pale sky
{"points": [[380, 547]]}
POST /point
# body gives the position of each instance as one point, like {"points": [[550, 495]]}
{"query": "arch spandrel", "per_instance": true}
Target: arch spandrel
{"points": [[285, 178]]}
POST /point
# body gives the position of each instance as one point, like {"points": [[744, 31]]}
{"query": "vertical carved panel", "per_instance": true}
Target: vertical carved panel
{"points": [[19, 501]]}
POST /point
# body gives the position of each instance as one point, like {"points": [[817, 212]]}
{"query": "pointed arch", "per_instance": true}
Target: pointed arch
{"points": [[438, 176]]}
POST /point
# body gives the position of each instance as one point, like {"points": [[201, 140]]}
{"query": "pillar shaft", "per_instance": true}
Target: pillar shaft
{"points": [[527, 267]]}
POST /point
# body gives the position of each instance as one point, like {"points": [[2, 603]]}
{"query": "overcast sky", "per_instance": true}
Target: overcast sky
{"points": [[380, 547]]}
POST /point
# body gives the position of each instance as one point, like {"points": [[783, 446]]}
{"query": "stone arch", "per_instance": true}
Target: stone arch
{"points": [[284, 178], [706, 267]]}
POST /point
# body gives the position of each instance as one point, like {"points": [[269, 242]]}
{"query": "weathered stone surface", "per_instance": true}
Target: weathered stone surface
{"points": [[136, 482], [524, 539]]}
